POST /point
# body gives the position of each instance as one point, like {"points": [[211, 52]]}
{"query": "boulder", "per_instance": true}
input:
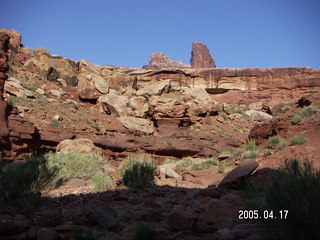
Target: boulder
{"points": [[258, 115], [138, 124], [153, 89], [14, 86], [91, 86], [260, 106], [116, 105], [197, 93], [43, 65], [168, 106], [169, 170], [16, 225], [182, 218], [105, 217], [200, 56], [241, 171], [201, 107], [80, 145], [48, 234], [139, 106]]}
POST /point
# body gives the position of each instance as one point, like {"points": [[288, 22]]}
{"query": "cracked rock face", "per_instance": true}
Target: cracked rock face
{"points": [[200, 56]]}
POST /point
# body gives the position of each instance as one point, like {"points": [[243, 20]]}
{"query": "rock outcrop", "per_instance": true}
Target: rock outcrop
{"points": [[4, 41], [200, 56], [158, 60]]}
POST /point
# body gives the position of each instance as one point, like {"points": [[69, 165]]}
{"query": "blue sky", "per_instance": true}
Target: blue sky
{"points": [[239, 33]]}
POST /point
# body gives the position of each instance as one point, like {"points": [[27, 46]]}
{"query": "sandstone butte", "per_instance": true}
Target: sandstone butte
{"points": [[193, 120]]}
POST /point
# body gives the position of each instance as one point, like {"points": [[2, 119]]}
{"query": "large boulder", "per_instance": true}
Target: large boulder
{"points": [[157, 88], [168, 106], [181, 218], [80, 145], [91, 86], [14, 86], [52, 68], [241, 171], [138, 124], [201, 107], [116, 105], [258, 115], [139, 106], [200, 56]]}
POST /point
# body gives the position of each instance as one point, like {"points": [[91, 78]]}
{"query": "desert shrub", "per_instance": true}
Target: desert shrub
{"points": [[54, 123], [250, 154], [308, 111], [296, 119], [250, 150], [186, 162], [103, 182], [205, 164], [276, 142], [285, 108], [298, 140], [138, 171], [267, 152], [51, 220], [208, 120], [22, 178], [251, 145], [295, 188], [143, 230], [74, 165], [170, 160]]}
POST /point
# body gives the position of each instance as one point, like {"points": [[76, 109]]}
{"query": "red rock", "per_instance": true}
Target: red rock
{"points": [[200, 56], [262, 131], [208, 192], [182, 218], [242, 170], [48, 234]]}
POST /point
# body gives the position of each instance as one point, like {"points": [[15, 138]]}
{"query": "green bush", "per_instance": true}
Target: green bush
{"points": [[74, 165], [276, 142], [296, 119], [143, 230], [205, 164], [138, 171], [295, 188], [250, 154], [285, 108], [251, 145], [308, 111], [103, 182], [267, 152], [22, 178], [54, 123], [250, 150], [298, 140], [208, 121], [186, 162]]}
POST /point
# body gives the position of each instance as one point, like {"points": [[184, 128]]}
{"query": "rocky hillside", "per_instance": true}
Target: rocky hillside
{"points": [[198, 123]]}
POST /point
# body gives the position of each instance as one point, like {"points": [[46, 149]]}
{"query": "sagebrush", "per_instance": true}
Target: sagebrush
{"points": [[138, 171]]}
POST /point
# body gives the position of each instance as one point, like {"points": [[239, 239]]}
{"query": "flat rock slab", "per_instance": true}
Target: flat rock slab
{"points": [[243, 170]]}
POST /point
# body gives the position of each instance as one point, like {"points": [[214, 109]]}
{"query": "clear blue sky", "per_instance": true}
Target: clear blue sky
{"points": [[239, 33]]}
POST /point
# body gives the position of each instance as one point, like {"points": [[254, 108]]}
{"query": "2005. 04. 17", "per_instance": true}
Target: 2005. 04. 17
{"points": [[266, 214]]}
